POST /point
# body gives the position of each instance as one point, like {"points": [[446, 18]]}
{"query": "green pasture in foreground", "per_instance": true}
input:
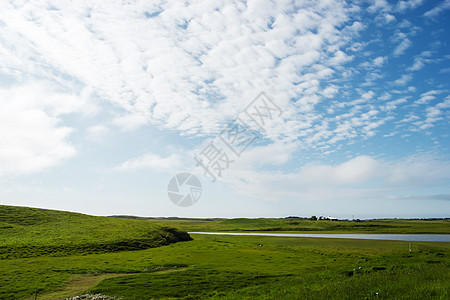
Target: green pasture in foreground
{"points": [[405, 226], [246, 267], [228, 267]]}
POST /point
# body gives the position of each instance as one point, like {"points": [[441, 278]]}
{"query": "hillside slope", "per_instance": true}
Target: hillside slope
{"points": [[30, 232]]}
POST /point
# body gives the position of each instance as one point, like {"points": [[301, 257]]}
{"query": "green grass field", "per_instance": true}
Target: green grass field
{"points": [[307, 226], [228, 267]]}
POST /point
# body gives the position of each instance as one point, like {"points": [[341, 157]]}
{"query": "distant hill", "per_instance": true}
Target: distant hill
{"points": [[30, 232]]}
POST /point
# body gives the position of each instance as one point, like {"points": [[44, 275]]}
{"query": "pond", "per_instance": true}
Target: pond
{"points": [[392, 237]]}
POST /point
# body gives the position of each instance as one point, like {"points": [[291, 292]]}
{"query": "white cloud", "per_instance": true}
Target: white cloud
{"points": [[385, 96], [388, 18], [418, 64], [357, 170], [357, 178], [417, 170], [277, 153], [181, 66], [403, 80], [409, 119], [403, 6], [340, 58], [390, 134], [192, 67], [378, 5], [130, 122], [434, 113], [375, 63], [32, 137], [402, 46], [379, 61], [330, 91], [421, 60], [393, 104], [426, 97], [367, 95], [97, 132], [405, 24], [153, 162], [445, 5]]}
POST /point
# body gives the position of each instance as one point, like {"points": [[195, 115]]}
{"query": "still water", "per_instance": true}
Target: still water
{"points": [[392, 237]]}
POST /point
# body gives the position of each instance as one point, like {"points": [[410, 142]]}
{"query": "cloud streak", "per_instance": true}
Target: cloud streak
{"points": [[440, 8], [150, 161]]}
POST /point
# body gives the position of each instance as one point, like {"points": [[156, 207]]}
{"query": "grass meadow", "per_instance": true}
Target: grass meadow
{"points": [[208, 266], [299, 225]]}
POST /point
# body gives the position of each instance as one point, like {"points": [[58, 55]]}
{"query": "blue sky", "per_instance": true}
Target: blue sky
{"points": [[102, 103]]}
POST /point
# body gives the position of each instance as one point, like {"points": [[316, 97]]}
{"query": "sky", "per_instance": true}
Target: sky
{"points": [[279, 108]]}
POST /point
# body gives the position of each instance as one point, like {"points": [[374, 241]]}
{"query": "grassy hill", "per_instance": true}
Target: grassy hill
{"points": [[31, 232]]}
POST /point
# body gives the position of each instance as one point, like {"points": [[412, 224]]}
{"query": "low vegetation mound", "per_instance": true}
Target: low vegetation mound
{"points": [[31, 232]]}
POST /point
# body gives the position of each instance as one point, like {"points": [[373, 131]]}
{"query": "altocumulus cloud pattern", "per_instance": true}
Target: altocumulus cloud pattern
{"points": [[362, 85]]}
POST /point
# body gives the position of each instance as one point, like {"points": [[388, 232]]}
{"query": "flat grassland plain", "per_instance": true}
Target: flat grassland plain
{"points": [[48, 254]]}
